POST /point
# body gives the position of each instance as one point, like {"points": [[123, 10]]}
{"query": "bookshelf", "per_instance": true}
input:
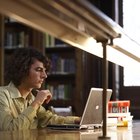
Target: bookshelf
{"points": [[18, 35], [74, 71], [1, 50], [63, 77]]}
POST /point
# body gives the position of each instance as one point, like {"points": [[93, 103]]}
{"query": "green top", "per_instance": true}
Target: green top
{"points": [[16, 113]]}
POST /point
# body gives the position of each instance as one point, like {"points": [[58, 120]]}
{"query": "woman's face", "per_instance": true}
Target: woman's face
{"points": [[37, 75]]}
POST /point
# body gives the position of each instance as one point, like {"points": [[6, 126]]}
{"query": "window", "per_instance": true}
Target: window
{"points": [[131, 24]]}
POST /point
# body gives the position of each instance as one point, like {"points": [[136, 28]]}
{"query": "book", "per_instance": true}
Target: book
{"points": [[60, 91], [117, 115], [121, 106]]}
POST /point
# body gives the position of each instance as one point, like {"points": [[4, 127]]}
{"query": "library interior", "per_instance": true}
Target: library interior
{"points": [[90, 45]]}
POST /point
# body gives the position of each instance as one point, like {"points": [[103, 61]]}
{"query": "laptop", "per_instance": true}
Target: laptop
{"points": [[92, 114]]}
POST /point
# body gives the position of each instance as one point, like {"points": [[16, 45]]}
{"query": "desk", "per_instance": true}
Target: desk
{"points": [[122, 133]]}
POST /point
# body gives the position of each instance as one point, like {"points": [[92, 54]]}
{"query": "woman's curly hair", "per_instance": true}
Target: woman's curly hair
{"points": [[20, 64]]}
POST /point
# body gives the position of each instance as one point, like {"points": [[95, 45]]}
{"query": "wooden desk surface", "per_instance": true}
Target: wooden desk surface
{"points": [[122, 133]]}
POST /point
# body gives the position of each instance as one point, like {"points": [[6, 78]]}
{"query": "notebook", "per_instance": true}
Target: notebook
{"points": [[92, 114]]}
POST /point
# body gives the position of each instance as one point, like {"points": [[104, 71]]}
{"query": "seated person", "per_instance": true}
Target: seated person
{"points": [[19, 108]]}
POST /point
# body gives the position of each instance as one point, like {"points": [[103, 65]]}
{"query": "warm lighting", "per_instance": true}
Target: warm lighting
{"points": [[122, 51], [128, 46], [113, 53], [90, 45], [120, 58]]}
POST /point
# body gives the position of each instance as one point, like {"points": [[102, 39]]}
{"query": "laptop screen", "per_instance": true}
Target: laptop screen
{"points": [[93, 110]]}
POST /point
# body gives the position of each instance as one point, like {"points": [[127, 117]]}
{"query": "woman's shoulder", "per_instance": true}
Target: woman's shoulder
{"points": [[4, 95], [3, 88]]}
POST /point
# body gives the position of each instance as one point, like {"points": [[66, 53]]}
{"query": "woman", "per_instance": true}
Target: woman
{"points": [[19, 109]]}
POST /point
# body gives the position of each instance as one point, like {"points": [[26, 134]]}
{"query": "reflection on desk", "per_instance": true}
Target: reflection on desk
{"points": [[121, 133], [45, 134]]}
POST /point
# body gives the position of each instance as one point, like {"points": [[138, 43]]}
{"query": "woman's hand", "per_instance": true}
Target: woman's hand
{"points": [[41, 97], [49, 95], [77, 120]]}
